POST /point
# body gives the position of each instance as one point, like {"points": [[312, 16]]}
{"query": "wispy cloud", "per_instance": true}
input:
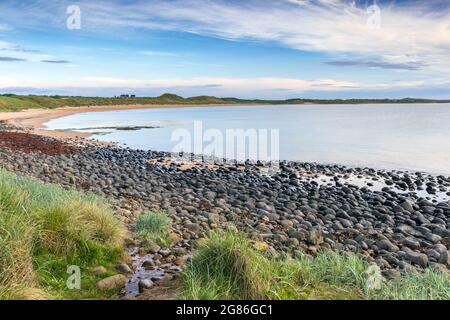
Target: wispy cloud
{"points": [[331, 26], [237, 85], [411, 65], [159, 53], [5, 27], [56, 61], [314, 25], [242, 87], [11, 59], [414, 37]]}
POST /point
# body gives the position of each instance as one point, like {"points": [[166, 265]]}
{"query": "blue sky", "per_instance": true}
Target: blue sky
{"points": [[247, 49]]}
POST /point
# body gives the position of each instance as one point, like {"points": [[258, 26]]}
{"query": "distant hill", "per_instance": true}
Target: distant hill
{"points": [[12, 102]]}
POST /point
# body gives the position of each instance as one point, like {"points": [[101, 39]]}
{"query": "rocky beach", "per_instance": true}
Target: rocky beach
{"points": [[396, 219]]}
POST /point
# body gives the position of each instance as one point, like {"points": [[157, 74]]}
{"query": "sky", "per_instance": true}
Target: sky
{"points": [[277, 49]]}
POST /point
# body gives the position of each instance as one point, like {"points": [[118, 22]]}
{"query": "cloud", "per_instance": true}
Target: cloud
{"points": [[24, 50], [11, 59], [5, 27], [6, 45], [159, 53], [218, 85], [56, 61], [412, 65], [414, 35], [242, 88], [421, 28]]}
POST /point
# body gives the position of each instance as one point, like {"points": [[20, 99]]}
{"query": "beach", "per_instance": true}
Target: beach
{"points": [[34, 119], [396, 220]]}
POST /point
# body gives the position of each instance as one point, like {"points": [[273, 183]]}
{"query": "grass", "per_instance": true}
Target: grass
{"points": [[12, 102], [153, 226], [44, 229], [429, 285], [226, 265]]}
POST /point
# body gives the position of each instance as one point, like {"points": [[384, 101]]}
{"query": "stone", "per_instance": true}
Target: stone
{"points": [[145, 284], [214, 218], [148, 265], [194, 227], [433, 254], [443, 254], [434, 238], [260, 245], [287, 223], [99, 270], [416, 258], [387, 245], [174, 238], [165, 252], [391, 274], [174, 269], [315, 237], [411, 243], [123, 268], [113, 282], [408, 206], [153, 248], [298, 234]]}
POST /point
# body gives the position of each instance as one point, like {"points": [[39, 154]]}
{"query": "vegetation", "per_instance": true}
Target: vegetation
{"points": [[43, 230], [12, 102], [228, 266], [153, 226]]}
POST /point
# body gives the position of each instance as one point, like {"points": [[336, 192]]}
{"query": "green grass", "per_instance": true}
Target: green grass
{"points": [[44, 229], [428, 285], [227, 266], [153, 226], [12, 102]]}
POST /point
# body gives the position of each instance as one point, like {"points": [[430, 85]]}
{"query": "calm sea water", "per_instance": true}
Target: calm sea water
{"points": [[407, 137]]}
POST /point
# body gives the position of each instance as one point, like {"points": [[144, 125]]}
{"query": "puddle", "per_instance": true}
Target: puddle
{"points": [[375, 185], [140, 273]]}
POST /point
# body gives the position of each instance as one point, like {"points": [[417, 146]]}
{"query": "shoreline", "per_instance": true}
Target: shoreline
{"points": [[396, 220], [35, 119]]}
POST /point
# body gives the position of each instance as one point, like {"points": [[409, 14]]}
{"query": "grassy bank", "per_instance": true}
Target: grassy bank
{"points": [[43, 230], [11, 102], [19, 102], [228, 266]]}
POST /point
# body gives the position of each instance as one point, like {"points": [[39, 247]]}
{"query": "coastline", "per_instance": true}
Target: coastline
{"points": [[35, 119], [395, 220]]}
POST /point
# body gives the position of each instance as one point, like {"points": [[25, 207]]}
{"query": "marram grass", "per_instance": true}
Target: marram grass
{"points": [[227, 266], [153, 226], [43, 229]]}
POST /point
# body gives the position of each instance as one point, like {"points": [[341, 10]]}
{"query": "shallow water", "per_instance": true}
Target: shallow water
{"points": [[404, 137]]}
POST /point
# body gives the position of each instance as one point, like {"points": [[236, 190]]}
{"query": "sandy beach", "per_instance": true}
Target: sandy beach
{"points": [[35, 119]]}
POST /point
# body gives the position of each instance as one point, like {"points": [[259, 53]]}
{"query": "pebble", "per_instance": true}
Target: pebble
{"points": [[290, 210]]}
